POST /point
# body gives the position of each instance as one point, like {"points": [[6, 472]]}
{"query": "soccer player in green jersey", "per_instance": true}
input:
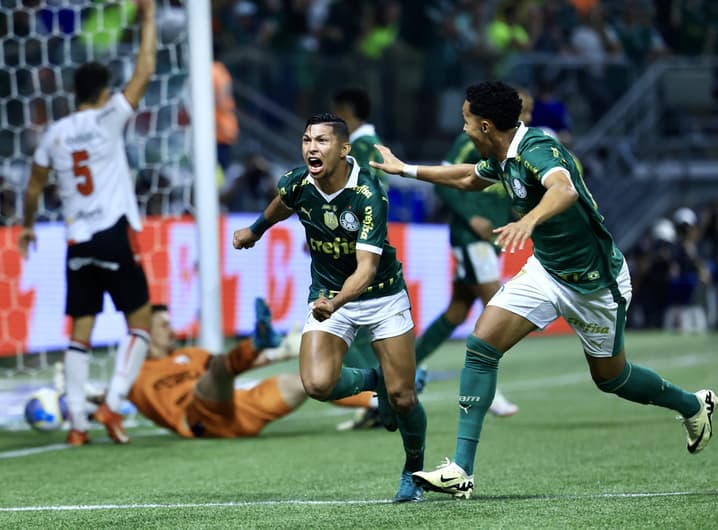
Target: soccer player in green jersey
{"points": [[474, 214], [356, 281], [353, 105], [576, 272]]}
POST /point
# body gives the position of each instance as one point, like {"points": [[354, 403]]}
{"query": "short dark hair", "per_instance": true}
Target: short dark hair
{"points": [[338, 125], [157, 308], [90, 80], [495, 101], [357, 99]]}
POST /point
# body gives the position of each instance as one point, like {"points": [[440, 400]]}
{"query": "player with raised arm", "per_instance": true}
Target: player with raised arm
{"points": [[474, 214], [86, 150], [356, 281], [576, 272]]}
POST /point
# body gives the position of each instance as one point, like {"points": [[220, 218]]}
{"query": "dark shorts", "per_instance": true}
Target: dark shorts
{"points": [[108, 263]]}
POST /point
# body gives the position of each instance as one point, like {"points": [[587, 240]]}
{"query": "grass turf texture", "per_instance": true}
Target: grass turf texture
{"points": [[573, 457]]}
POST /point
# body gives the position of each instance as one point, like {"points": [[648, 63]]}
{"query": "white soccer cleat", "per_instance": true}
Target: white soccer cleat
{"points": [[700, 426], [502, 407], [448, 477], [288, 348]]}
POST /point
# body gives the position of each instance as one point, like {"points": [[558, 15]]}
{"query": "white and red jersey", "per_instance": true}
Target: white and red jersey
{"points": [[87, 152]]}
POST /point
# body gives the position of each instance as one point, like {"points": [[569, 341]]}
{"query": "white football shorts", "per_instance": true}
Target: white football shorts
{"points": [[476, 263], [384, 317], [598, 318]]}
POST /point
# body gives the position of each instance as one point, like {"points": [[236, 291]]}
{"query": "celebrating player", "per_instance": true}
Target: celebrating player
{"points": [[86, 150], [576, 272], [356, 281]]}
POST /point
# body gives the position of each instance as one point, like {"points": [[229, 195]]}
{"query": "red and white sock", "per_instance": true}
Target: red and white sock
{"points": [[131, 353]]}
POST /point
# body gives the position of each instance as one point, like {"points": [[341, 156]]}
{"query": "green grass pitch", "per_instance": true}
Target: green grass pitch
{"points": [[572, 457]]}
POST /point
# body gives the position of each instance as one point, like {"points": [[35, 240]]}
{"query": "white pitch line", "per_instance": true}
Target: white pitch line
{"points": [[61, 447], [686, 360], [292, 502]]}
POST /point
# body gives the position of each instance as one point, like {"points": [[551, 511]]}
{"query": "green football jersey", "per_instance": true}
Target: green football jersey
{"points": [[337, 225], [363, 150], [574, 246], [492, 203]]}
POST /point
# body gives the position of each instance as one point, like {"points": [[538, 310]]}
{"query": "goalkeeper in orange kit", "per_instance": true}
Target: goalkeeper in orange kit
{"points": [[191, 391]]}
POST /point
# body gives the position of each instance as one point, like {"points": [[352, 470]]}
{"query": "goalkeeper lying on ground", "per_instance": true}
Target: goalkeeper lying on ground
{"points": [[191, 391]]}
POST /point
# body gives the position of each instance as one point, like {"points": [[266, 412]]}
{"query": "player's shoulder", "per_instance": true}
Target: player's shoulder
{"points": [[293, 176], [369, 185], [61, 126], [536, 139], [116, 104]]}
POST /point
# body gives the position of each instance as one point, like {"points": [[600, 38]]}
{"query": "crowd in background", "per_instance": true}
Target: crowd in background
{"points": [[674, 269], [414, 57]]}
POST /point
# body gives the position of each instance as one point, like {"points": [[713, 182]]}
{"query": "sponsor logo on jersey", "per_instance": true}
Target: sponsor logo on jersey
{"points": [[349, 221], [588, 327], [363, 190], [368, 224], [336, 249], [519, 188]]}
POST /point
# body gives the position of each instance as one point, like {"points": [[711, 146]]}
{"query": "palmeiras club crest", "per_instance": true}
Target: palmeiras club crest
{"points": [[349, 221]]}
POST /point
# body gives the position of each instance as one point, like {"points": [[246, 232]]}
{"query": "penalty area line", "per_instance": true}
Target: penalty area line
{"points": [[348, 502]]}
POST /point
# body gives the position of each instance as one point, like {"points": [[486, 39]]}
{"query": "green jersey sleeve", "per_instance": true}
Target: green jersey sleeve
{"points": [[374, 216], [290, 184]]}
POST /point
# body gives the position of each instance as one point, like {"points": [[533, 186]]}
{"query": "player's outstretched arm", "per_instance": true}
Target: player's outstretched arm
{"points": [[276, 211], [460, 176], [146, 55], [38, 180]]}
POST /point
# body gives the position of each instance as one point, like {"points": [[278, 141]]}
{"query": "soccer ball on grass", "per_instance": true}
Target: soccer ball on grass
{"points": [[46, 410]]}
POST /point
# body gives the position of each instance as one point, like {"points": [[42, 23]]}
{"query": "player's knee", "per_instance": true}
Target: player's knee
{"points": [[319, 389], [403, 400], [479, 352], [613, 385]]}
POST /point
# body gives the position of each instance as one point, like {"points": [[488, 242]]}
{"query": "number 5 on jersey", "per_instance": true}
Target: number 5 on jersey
{"points": [[82, 172]]}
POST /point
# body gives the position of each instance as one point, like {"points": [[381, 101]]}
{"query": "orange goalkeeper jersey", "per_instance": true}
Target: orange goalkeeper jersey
{"points": [[165, 387]]}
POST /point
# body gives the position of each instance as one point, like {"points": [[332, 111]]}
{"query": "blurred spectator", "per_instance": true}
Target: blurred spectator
{"points": [[639, 38], [250, 187], [382, 30], [688, 279], [550, 113], [595, 41], [508, 38], [557, 20], [650, 264], [225, 114], [689, 27]]}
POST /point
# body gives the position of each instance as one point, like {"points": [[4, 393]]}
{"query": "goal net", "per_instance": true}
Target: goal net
{"points": [[42, 43]]}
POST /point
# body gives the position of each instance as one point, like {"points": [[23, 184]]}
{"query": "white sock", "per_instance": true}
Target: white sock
{"points": [[130, 355], [77, 369]]}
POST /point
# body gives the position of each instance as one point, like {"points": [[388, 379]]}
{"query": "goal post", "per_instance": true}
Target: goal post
{"points": [[170, 148], [205, 162]]}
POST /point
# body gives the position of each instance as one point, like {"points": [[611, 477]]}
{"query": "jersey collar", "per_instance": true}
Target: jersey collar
{"points": [[352, 181], [514, 145], [366, 129]]}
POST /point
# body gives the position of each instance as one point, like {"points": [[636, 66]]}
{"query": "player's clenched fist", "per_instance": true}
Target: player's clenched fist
{"points": [[322, 308], [244, 238]]}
